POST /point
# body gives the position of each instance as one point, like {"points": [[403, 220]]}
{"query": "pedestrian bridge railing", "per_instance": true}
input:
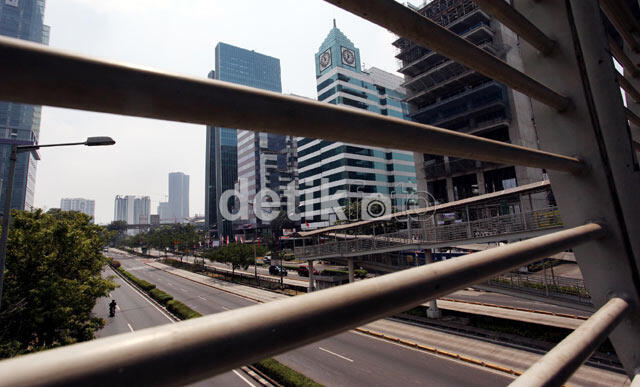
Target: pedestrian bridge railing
{"points": [[428, 234]]}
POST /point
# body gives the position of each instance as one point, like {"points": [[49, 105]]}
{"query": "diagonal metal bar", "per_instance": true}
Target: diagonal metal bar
{"points": [[631, 116], [40, 75], [554, 368], [623, 59], [628, 87], [519, 24], [409, 24], [195, 349], [621, 17]]}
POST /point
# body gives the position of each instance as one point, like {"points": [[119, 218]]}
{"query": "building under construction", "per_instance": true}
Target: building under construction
{"points": [[449, 95]]}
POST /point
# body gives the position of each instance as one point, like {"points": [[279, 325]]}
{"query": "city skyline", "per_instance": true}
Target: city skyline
{"points": [[146, 149]]}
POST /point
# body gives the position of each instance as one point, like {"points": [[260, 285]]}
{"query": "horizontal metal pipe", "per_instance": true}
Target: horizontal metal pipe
{"points": [[554, 368], [195, 349], [622, 19], [411, 25], [40, 75], [519, 24], [623, 59], [628, 87], [632, 117]]}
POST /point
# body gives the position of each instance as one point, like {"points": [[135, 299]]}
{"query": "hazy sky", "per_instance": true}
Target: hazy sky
{"points": [[176, 36]]}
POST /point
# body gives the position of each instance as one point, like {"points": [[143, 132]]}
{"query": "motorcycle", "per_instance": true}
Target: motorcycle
{"points": [[112, 309]]}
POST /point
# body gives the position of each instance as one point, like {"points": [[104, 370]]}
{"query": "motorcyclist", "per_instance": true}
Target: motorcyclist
{"points": [[112, 308]]}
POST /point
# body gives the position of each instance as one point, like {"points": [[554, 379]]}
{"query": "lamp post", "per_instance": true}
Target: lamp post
{"points": [[15, 149]]}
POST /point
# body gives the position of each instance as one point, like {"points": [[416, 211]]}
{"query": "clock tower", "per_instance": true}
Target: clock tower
{"points": [[337, 51]]}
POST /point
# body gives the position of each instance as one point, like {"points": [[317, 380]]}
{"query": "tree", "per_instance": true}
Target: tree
{"points": [[52, 281], [236, 254], [118, 229]]}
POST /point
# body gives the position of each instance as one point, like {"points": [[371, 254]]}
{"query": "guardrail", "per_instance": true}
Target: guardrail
{"points": [[581, 121]]}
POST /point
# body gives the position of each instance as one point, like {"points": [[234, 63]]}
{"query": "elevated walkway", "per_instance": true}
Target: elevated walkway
{"points": [[430, 235]]}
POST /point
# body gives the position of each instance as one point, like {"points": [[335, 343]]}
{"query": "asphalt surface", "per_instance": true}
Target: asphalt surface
{"points": [[506, 300], [347, 359], [135, 312]]}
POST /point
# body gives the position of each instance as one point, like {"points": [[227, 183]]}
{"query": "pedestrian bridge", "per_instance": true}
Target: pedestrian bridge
{"points": [[431, 235]]}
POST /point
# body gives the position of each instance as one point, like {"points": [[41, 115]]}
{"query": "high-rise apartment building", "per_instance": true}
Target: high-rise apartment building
{"points": [[350, 171], [20, 123], [78, 204], [449, 95], [232, 153], [132, 209], [178, 196]]}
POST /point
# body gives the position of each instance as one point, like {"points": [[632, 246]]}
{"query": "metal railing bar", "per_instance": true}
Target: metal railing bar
{"points": [[409, 24], [618, 53], [513, 19], [636, 146], [631, 116], [622, 19], [628, 87], [195, 349], [554, 368], [36, 74]]}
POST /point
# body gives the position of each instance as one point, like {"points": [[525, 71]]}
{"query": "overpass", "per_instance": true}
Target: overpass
{"points": [[423, 231]]}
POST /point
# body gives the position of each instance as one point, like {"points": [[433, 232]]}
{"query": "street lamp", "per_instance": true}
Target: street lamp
{"points": [[15, 149]]}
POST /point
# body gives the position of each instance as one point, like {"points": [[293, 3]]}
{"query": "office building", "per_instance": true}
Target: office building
{"points": [[132, 209], [232, 153], [20, 123], [78, 204], [446, 94], [350, 171], [178, 196]]}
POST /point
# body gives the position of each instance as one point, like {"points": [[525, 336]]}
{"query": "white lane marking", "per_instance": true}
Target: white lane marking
{"points": [[335, 354], [202, 298], [184, 290], [118, 307], [224, 307], [170, 284], [129, 325], [243, 378], [150, 303]]}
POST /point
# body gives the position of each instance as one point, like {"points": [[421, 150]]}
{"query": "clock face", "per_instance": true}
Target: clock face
{"points": [[348, 57], [325, 59]]}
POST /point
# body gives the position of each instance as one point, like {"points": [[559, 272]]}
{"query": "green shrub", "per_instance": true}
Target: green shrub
{"points": [[284, 375], [181, 310], [160, 296], [360, 273], [332, 273], [144, 285]]}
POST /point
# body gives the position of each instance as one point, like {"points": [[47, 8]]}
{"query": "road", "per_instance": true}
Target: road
{"points": [[135, 312], [346, 359]]}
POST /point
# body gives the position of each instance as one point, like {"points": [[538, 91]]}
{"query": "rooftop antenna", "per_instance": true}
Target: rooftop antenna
{"points": [[334, 23]]}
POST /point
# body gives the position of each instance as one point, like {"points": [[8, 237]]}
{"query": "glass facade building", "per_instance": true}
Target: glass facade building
{"points": [[350, 171], [235, 153], [20, 123]]}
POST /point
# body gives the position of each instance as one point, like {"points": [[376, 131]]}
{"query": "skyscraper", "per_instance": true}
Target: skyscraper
{"points": [[449, 95], [178, 196], [244, 67], [78, 204], [20, 123], [328, 168], [132, 209]]}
